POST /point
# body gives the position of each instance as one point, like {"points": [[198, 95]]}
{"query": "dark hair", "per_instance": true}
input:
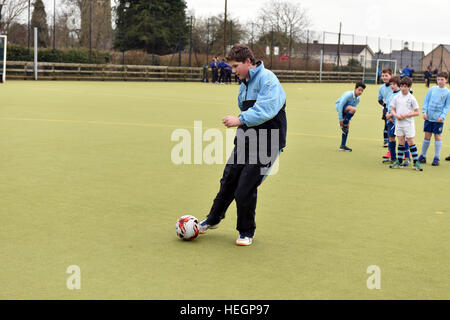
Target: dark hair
{"points": [[443, 74], [407, 81], [240, 53], [396, 80], [387, 70], [360, 84]]}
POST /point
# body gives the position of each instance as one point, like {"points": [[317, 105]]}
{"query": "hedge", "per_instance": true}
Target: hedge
{"points": [[19, 53]]}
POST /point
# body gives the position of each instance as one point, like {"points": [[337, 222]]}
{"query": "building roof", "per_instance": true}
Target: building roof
{"points": [[446, 46], [348, 49]]}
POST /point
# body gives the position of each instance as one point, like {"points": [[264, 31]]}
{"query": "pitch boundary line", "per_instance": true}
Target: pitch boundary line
{"points": [[137, 124]]}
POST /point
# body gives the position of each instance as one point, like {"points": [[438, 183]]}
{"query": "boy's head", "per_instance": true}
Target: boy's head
{"points": [[359, 89], [405, 85], [394, 82], [241, 60], [442, 79], [386, 75]]}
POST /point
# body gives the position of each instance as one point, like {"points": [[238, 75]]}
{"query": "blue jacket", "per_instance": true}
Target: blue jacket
{"points": [[213, 65], [347, 99], [265, 88], [262, 102], [436, 103], [222, 65], [383, 93]]}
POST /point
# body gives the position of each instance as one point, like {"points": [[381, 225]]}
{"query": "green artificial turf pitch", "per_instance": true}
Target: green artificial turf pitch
{"points": [[87, 179]]}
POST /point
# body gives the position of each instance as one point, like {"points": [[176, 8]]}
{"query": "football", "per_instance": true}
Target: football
{"points": [[187, 227]]}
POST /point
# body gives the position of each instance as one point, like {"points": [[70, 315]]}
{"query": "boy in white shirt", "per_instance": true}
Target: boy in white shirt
{"points": [[404, 108]]}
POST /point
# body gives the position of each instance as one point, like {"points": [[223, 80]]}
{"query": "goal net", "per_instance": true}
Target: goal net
{"points": [[3, 58], [384, 63]]}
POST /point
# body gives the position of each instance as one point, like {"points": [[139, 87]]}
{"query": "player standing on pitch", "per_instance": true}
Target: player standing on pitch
{"points": [[346, 108], [262, 132]]}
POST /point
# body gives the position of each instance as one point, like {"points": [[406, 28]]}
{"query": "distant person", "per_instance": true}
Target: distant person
{"points": [[214, 70], [223, 72], [205, 73], [408, 71], [435, 109], [428, 74], [346, 108], [228, 72]]}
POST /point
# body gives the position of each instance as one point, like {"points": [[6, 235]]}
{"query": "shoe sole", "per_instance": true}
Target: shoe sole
{"points": [[212, 227], [243, 244]]}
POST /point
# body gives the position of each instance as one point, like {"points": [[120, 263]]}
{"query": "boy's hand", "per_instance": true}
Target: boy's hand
{"points": [[400, 117], [425, 116], [439, 120], [231, 121]]}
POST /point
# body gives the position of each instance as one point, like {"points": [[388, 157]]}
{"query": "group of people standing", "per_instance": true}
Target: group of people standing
{"points": [[221, 71]]}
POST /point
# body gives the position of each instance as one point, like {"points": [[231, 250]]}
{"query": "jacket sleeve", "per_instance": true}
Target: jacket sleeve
{"points": [[340, 104], [240, 99], [446, 108], [380, 97], [426, 102], [269, 102]]}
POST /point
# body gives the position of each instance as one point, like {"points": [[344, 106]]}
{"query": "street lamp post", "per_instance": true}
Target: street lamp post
{"points": [[29, 31], [127, 5], [225, 31], [1, 6], [54, 26], [90, 31]]}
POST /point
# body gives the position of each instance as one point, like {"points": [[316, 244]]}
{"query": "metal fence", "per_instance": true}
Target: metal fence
{"points": [[78, 33]]}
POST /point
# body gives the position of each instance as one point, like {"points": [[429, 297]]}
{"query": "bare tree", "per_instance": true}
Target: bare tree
{"points": [[285, 18], [10, 11]]}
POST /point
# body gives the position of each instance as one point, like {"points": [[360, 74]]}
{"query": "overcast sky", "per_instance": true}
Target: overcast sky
{"points": [[412, 20]]}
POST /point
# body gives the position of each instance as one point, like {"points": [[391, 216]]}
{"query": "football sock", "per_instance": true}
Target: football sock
{"points": [[344, 138], [407, 156], [348, 116], [401, 151], [392, 149], [425, 145], [437, 149], [414, 152]]}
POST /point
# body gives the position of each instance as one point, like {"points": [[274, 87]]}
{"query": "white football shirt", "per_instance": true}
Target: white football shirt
{"points": [[405, 104]]}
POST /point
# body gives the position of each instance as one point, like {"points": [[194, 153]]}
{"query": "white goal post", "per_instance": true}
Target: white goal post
{"points": [[3, 45], [385, 63]]}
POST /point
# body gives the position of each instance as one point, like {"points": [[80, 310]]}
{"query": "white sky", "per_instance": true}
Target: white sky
{"points": [[423, 23], [412, 20]]}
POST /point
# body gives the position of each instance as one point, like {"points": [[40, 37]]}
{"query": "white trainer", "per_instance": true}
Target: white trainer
{"points": [[203, 227], [244, 241]]}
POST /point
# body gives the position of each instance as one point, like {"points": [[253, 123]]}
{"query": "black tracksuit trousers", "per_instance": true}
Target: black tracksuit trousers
{"points": [[239, 182]]}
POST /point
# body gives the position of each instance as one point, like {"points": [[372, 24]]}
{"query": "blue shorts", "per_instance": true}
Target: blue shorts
{"points": [[391, 129], [433, 127]]}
